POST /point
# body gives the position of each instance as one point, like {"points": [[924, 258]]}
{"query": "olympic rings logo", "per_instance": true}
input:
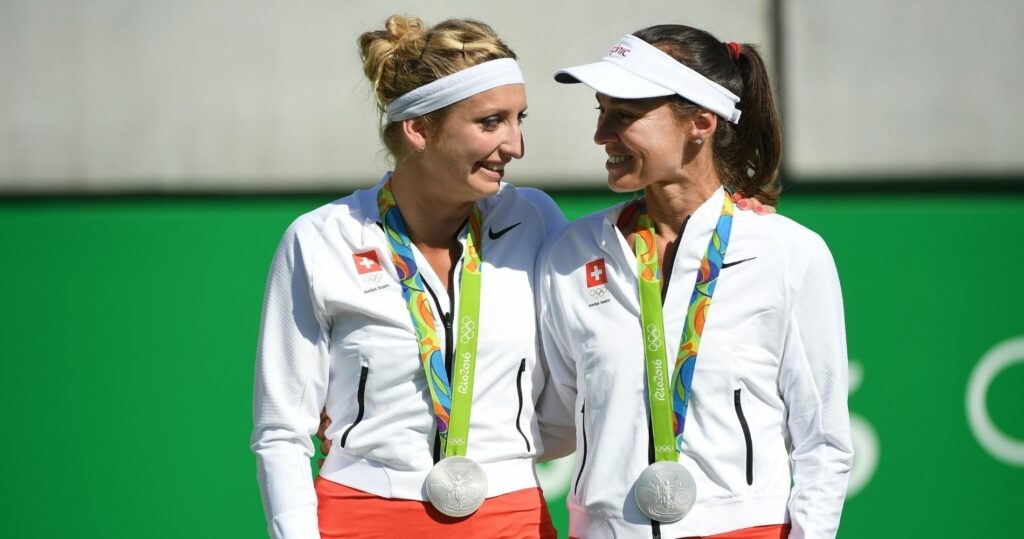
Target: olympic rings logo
{"points": [[598, 292], [1002, 446], [653, 338], [456, 441], [373, 278], [663, 448], [467, 330]]}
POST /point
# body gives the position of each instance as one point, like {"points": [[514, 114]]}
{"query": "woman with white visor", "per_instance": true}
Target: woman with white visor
{"points": [[406, 310], [699, 352]]}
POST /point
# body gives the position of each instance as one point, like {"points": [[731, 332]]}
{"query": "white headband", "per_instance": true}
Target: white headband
{"points": [[455, 87], [635, 69]]}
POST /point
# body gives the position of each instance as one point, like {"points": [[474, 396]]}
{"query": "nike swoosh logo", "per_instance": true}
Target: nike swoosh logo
{"points": [[495, 235], [731, 264]]}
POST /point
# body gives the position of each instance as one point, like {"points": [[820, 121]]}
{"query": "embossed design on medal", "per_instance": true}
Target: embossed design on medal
{"points": [[457, 486], [665, 491]]}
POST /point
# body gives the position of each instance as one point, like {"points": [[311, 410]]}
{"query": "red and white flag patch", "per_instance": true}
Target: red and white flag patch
{"points": [[596, 274], [367, 262]]}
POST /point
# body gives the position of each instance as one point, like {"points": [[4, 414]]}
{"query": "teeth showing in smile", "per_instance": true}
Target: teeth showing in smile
{"points": [[496, 168], [616, 159]]}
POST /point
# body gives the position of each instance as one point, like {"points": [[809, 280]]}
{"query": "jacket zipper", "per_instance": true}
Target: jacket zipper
{"points": [[651, 459], [448, 354], [361, 400], [519, 390], [446, 319], [669, 263], [583, 460], [746, 437]]}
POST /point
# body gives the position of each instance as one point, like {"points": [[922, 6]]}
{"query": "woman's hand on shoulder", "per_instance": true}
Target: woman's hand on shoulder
{"points": [[752, 204]]}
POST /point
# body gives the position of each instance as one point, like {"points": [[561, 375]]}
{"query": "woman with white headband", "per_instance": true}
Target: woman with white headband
{"points": [[714, 406], [406, 311]]}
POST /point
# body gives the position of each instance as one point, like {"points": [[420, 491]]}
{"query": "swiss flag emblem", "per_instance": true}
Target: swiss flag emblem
{"points": [[366, 262], [596, 274]]}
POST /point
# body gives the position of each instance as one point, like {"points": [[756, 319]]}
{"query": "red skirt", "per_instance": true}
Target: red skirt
{"points": [[776, 531], [345, 512]]}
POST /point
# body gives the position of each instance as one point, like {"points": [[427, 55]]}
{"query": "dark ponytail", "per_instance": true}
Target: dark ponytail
{"points": [[746, 155]]}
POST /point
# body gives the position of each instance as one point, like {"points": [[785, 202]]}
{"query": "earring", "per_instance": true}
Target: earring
{"points": [[698, 141], [422, 148]]}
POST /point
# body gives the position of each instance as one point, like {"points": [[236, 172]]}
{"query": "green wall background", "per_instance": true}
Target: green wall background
{"points": [[129, 328]]}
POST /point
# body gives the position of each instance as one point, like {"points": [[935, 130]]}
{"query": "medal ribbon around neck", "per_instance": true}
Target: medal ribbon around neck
{"points": [[451, 402], [665, 413]]}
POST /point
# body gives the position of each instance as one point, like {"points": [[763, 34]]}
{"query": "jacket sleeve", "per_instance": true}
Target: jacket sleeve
{"points": [[550, 214], [814, 384], [558, 397], [289, 391]]}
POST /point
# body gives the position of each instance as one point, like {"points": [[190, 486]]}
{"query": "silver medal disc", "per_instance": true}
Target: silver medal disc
{"points": [[457, 486], [665, 491]]}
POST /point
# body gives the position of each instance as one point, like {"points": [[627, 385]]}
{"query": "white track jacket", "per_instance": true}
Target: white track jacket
{"points": [[768, 405], [335, 331]]}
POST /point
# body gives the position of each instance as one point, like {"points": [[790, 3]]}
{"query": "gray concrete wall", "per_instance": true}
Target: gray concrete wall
{"points": [[918, 88], [196, 95]]}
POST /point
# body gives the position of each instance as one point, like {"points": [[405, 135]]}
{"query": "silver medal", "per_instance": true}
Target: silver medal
{"points": [[665, 491], [457, 486]]}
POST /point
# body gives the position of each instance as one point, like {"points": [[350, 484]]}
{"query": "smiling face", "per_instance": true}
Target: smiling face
{"points": [[467, 154], [644, 140]]}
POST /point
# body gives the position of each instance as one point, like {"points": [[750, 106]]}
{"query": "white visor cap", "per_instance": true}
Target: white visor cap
{"points": [[635, 69]]}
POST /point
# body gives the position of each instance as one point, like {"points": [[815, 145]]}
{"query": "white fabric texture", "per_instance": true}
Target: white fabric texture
{"points": [[635, 69], [772, 356], [455, 87], [333, 336]]}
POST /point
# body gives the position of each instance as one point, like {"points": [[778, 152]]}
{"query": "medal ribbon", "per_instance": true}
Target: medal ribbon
{"points": [[451, 402], [668, 442]]}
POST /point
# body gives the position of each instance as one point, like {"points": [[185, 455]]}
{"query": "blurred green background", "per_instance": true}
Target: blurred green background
{"points": [[129, 330]]}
